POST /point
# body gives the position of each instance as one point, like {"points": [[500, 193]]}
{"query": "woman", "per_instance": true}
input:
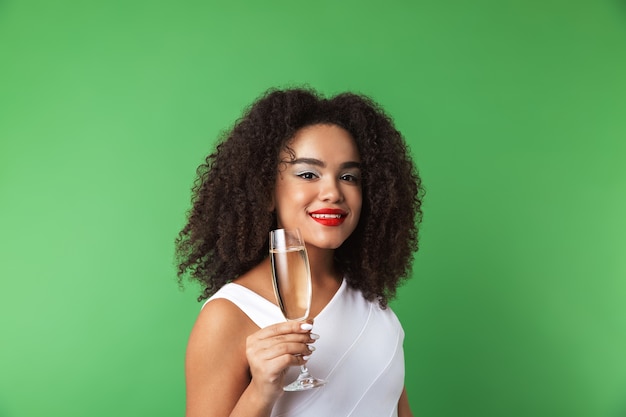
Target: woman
{"points": [[338, 170]]}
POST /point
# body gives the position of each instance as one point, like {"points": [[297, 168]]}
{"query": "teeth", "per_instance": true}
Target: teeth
{"points": [[326, 216]]}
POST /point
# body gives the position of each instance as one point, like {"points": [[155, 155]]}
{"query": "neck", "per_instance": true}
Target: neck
{"points": [[322, 265]]}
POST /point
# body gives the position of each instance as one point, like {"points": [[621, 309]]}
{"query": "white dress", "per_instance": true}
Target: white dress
{"points": [[359, 353]]}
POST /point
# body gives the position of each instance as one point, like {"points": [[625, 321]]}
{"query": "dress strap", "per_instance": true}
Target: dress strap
{"points": [[261, 311]]}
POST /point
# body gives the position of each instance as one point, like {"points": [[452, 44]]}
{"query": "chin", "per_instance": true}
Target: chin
{"points": [[329, 244], [326, 239]]}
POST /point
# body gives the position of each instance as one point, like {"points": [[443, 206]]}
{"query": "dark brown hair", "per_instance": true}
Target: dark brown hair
{"points": [[227, 229]]}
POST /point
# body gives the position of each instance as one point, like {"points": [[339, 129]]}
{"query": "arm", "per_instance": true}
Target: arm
{"points": [[403, 405], [234, 369]]}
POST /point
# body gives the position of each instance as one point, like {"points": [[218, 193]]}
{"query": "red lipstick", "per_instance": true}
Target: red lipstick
{"points": [[329, 217]]}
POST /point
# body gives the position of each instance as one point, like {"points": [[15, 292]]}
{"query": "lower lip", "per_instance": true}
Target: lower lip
{"points": [[334, 221]]}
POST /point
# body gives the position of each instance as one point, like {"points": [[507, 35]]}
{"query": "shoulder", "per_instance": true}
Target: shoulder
{"points": [[221, 326], [216, 346], [385, 314], [216, 366], [221, 318]]}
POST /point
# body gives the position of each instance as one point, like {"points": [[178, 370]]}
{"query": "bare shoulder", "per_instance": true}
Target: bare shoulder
{"points": [[216, 369], [218, 314], [220, 326]]}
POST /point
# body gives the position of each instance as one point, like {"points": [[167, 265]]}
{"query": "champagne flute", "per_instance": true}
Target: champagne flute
{"points": [[291, 276]]}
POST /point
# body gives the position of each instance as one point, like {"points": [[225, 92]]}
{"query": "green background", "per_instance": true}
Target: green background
{"points": [[515, 112]]}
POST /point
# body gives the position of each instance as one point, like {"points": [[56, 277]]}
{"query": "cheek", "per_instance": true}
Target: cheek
{"points": [[294, 196], [290, 199], [357, 201]]}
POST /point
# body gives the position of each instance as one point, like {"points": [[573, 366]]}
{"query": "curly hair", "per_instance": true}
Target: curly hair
{"points": [[227, 228]]}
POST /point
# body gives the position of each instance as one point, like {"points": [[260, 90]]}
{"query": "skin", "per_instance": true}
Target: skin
{"points": [[233, 368]]}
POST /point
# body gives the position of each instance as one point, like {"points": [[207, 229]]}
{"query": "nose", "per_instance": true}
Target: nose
{"points": [[330, 190]]}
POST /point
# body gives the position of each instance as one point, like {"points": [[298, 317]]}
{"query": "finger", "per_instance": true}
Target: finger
{"points": [[282, 349], [292, 360], [281, 363], [275, 365], [274, 370], [256, 343], [281, 329]]}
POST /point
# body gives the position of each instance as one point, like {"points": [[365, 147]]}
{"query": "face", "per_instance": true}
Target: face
{"points": [[319, 191]]}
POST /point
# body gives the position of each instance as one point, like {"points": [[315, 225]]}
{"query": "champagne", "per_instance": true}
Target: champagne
{"points": [[292, 283], [291, 277]]}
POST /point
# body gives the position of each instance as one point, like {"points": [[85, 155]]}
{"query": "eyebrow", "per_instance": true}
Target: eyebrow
{"points": [[317, 162]]}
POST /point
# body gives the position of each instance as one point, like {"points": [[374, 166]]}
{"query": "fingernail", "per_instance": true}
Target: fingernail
{"points": [[306, 326], [306, 358], [314, 336], [311, 348]]}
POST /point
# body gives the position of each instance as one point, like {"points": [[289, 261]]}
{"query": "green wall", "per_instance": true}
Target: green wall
{"points": [[515, 112]]}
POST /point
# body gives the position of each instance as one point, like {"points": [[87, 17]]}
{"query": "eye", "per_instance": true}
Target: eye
{"points": [[307, 175], [349, 178]]}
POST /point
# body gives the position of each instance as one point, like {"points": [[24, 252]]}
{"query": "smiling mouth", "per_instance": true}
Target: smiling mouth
{"points": [[327, 216]]}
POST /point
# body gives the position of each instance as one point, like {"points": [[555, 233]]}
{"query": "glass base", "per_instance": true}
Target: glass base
{"points": [[304, 382]]}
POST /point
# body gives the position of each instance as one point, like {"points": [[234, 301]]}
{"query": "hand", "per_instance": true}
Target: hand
{"points": [[272, 350]]}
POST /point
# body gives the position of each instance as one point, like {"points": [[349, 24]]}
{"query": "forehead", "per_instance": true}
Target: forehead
{"points": [[325, 142]]}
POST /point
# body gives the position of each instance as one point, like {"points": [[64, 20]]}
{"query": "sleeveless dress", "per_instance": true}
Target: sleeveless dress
{"points": [[359, 354]]}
